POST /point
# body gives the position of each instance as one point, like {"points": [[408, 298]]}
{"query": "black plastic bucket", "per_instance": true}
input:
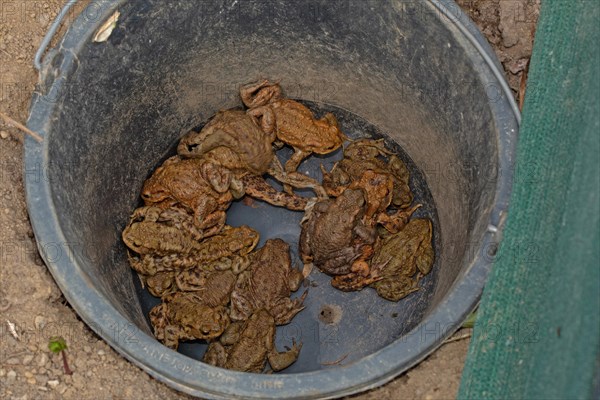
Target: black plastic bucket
{"points": [[415, 72]]}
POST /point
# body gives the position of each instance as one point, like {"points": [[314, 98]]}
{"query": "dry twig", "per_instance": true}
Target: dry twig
{"points": [[335, 362], [21, 127], [458, 338]]}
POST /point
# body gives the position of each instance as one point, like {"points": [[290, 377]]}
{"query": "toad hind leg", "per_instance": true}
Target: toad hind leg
{"points": [[287, 309], [258, 188], [296, 180], [395, 222], [292, 165], [279, 361]]}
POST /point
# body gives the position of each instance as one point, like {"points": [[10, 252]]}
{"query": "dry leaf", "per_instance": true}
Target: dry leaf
{"points": [[106, 29]]}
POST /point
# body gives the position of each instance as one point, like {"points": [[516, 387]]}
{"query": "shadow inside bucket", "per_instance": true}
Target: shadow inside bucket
{"points": [[336, 327]]}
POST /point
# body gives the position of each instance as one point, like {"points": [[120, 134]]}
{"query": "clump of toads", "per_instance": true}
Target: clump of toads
{"points": [[213, 283]]}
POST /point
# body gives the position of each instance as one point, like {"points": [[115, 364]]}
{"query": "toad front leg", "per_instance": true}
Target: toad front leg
{"points": [[279, 361], [285, 309], [394, 223]]}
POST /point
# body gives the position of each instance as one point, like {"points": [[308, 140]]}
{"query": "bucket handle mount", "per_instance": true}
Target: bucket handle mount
{"points": [[37, 61]]}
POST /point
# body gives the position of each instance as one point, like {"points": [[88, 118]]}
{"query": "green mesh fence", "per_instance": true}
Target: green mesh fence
{"points": [[538, 331]]}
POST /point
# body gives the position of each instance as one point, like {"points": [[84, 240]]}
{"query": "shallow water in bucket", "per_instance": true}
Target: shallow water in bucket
{"points": [[336, 327]]}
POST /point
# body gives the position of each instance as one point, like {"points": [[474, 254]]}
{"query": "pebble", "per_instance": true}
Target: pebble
{"points": [[11, 376], [101, 352], [78, 380], [87, 349], [2, 373], [53, 383], [28, 374], [27, 359], [41, 379], [31, 381], [4, 134], [12, 361], [40, 322], [42, 360]]}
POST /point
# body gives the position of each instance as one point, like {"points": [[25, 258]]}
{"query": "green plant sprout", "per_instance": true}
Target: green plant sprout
{"points": [[57, 344]]}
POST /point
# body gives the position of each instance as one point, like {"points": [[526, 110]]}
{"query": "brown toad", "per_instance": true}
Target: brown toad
{"points": [[186, 316], [160, 284], [336, 240], [161, 231], [165, 248], [197, 184], [246, 346], [268, 283], [367, 154], [233, 140], [200, 314], [291, 122], [398, 257], [251, 147]]}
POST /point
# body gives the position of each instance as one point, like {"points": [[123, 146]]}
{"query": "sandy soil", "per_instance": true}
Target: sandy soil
{"points": [[31, 301]]}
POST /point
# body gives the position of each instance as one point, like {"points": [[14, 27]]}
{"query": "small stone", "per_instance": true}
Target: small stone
{"points": [[27, 359], [31, 381], [101, 352], [78, 380], [89, 374], [40, 322], [28, 374], [2, 373], [87, 349], [130, 392], [4, 134], [41, 379], [42, 360], [12, 361], [62, 389], [11, 375], [53, 383]]}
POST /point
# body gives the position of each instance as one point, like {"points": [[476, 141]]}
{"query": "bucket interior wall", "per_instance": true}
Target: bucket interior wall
{"points": [[169, 66]]}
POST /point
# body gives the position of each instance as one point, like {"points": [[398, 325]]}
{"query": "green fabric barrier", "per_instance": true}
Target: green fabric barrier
{"points": [[537, 334]]}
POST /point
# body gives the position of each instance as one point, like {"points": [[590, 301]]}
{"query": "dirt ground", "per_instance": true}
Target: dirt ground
{"points": [[33, 306]]}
